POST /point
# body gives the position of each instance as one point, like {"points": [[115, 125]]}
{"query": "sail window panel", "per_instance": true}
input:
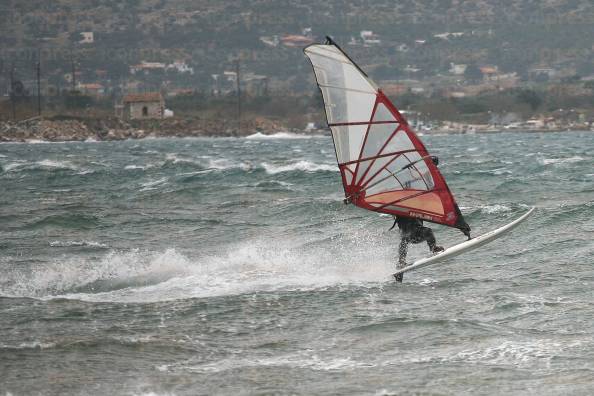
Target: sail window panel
{"points": [[426, 173], [348, 140], [409, 177], [356, 137], [376, 138], [397, 165], [382, 113], [377, 165], [399, 142], [389, 184], [363, 166], [390, 177], [343, 106]]}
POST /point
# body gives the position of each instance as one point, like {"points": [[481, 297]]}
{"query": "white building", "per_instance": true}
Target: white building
{"points": [[147, 67], [87, 38], [458, 69], [369, 38], [180, 67]]}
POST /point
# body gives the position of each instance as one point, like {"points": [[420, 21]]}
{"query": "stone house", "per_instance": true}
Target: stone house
{"points": [[141, 106]]}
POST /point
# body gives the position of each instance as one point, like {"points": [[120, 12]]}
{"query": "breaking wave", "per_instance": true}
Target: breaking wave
{"points": [[46, 164], [555, 161], [304, 166], [492, 209], [281, 135], [77, 243], [245, 268], [113, 271]]}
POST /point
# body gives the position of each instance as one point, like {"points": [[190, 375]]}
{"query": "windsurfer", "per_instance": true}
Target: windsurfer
{"points": [[413, 231]]}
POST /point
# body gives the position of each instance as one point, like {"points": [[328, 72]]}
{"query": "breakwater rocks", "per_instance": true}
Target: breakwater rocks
{"points": [[58, 128]]}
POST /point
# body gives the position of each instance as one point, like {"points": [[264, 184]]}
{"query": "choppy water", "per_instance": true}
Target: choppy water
{"points": [[230, 266]]}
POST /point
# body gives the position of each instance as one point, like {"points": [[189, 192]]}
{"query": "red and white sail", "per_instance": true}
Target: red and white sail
{"points": [[384, 165]]}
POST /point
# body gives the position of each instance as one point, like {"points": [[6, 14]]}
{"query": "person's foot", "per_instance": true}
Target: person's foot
{"points": [[437, 249], [398, 277]]}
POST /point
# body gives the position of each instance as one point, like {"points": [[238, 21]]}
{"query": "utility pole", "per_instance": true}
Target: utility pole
{"points": [[238, 81], [39, 82], [12, 92], [73, 73]]}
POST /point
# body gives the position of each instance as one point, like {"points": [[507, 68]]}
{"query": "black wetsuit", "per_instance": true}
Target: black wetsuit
{"points": [[413, 231]]}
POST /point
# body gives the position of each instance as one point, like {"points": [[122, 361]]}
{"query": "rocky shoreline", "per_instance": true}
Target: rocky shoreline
{"points": [[69, 128], [60, 128]]}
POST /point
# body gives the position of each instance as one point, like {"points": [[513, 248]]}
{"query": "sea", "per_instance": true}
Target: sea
{"points": [[231, 266]]}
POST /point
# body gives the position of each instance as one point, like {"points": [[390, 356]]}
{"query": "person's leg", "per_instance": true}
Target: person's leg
{"points": [[429, 237], [402, 250]]}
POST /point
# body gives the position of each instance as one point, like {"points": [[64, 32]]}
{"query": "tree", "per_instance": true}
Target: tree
{"points": [[473, 73], [529, 97]]}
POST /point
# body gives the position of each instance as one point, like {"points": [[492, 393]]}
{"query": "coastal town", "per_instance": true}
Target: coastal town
{"points": [[150, 66]]}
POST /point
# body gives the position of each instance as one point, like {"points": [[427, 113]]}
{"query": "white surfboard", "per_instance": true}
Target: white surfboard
{"points": [[467, 245]]}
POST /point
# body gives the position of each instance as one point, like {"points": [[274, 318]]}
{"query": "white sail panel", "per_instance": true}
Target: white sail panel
{"points": [[376, 139], [374, 167], [383, 114], [344, 106], [399, 142], [348, 140]]}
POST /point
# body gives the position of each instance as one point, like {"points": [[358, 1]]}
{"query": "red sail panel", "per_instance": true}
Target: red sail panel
{"points": [[384, 165]]}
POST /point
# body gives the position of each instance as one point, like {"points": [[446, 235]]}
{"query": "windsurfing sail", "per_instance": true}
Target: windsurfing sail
{"points": [[384, 166]]}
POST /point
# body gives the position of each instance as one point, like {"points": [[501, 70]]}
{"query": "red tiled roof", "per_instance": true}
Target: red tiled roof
{"points": [[91, 86], [143, 97]]}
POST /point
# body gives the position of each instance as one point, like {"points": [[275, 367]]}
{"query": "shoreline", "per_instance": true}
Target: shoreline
{"points": [[73, 129]]}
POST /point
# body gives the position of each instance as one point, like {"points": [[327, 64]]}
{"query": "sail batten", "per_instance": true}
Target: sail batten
{"points": [[384, 166]]}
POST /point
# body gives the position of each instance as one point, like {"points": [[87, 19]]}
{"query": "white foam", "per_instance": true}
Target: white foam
{"points": [[13, 165], [38, 141], [303, 165], [280, 135], [554, 161], [47, 163], [77, 243], [71, 273], [302, 360], [497, 208], [251, 266], [210, 164], [516, 353], [29, 345], [225, 164], [152, 183]]}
